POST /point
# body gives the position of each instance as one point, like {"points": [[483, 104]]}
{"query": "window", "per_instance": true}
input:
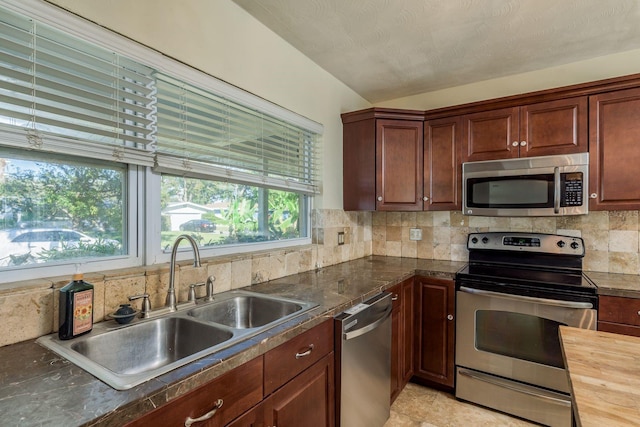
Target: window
{"points": [[57, 209], [229, 214], [105, 144]]}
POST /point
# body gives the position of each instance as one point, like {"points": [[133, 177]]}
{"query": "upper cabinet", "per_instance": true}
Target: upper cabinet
{"points": [[407, 160], [383, 160], [614, 150], [395, 161], [540, 129], [399, 165], [442, 171]]}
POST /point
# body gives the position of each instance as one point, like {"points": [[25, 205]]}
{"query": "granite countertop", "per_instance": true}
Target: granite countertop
{"points": [[604, 373], [616, 284], [39, 388]]}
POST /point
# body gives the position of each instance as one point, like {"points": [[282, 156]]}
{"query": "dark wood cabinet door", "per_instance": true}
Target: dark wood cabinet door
{"points": [[359, 165], [252, 418], [614, 150], [399, 168], [396, 337], [435, 303], [407, 329], [490, 135], [239, 390], [307, 400], [554, 127], [442, 164]]}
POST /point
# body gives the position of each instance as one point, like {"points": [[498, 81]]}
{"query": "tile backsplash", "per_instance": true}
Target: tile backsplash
{"points": [[30, 309], [612, 239]]}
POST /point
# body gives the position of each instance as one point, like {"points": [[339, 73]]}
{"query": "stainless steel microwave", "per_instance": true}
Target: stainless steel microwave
{"points": [[533, 186]]}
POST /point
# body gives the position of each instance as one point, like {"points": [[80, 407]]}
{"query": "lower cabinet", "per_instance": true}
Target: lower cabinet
{"points": [[235, 392], [307, 400], [402, 320], [435, 332], [291, 385], [619, 315]]}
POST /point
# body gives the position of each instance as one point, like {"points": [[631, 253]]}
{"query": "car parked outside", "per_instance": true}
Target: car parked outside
{"points": [[200, 225], [30, 242]]}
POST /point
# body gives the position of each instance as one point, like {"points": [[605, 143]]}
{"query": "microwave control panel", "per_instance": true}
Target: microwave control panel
{"points": [[572, 189]]}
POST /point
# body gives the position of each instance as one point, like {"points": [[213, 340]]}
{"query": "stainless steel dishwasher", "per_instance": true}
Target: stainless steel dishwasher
{"points": [[364, 356]]}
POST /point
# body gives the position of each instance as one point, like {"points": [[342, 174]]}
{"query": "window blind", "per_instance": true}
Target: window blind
{"points": [[57, 90], [201, 134]]}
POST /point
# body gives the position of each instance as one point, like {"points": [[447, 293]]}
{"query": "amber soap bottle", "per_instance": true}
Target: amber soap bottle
{"points": [[76, 308]]}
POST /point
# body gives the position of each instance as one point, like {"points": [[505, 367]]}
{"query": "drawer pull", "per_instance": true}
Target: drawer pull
{"points": [[394, 297], [208, 415], [305, 353]]}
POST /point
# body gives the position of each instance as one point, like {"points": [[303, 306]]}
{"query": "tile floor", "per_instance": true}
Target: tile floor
{"points": [[418, 406]]}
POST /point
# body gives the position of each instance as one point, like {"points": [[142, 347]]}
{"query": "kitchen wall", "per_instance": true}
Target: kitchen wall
{"points": [[611, 237], [219, 38], [30, 309]]}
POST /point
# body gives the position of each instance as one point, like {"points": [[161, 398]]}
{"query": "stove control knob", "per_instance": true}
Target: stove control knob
{"points": [[561, 243], [485, 240], [474, 240], [574, 245]]}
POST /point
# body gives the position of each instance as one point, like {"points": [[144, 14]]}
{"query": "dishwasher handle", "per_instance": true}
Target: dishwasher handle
{"points": [[368, 328]]}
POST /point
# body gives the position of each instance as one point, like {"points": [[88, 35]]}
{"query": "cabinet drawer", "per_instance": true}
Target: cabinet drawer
{"points": [[289, 359], [239, 390], [618, 328], [619, 310]]}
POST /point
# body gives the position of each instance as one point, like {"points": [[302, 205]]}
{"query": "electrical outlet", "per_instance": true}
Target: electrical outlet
{"points": [[340, 238], [415, 234]]}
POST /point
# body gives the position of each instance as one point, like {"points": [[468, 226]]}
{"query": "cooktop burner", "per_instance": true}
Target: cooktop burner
{"points": [[531, 264]]}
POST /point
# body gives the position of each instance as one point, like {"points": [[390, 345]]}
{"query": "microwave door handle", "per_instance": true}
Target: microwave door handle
{"points": [[556, 190]]}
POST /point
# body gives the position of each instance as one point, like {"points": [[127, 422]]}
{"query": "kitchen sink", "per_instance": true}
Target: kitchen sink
{"points": [[150, 345], [124, 356], [245, 311]]}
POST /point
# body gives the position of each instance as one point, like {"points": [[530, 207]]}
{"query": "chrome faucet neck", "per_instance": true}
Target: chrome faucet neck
{"points": [[172, 301]]}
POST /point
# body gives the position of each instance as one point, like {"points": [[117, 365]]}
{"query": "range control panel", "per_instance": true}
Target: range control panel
{"points": [[526, 242]]}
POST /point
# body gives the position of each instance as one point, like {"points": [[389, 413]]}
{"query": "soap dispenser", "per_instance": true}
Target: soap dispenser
{"points": [[76, 308]]}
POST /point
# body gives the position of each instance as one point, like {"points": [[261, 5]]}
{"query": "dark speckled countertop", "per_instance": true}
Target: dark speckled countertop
{"points": [[615, 284], [39, 388]]}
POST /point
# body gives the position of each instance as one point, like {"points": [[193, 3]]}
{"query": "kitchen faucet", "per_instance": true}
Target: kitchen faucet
{"points": [[172, 301]]}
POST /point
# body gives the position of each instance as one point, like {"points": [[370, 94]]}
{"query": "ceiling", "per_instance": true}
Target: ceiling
{"points": [[387, 49]]}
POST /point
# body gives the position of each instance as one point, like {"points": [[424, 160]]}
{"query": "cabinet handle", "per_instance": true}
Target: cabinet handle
{"points": [[394, 297], [208, 415], [594, 195], [514, 143], [425, 198], [523, 143], [379, 198], [450, 317], [305, 353]]}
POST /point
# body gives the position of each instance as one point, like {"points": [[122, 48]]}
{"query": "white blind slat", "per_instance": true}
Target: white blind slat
{"points": [[207, 128], [63, 86]]}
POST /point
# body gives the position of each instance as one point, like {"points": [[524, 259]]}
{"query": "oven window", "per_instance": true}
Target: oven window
{"points": [[512, 191], [521, 336]]}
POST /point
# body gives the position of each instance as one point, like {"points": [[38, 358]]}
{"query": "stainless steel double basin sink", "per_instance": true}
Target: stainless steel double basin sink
{"points": [[125, 356]]}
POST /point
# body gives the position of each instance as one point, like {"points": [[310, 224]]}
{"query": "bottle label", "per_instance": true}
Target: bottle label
{"points": [[82, 312]]}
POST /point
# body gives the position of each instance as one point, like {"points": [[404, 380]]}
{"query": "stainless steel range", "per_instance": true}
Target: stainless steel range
{"points": [[517, 289]]}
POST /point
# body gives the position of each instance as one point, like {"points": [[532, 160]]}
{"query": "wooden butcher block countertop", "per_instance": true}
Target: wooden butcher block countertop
{"points": [[604, 371]]}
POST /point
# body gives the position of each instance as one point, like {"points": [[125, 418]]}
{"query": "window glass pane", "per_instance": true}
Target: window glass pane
{"points": [[220, 213], [56, 210]]}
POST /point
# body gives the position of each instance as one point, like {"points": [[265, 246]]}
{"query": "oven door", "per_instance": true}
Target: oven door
{"points": [[515, 336]]}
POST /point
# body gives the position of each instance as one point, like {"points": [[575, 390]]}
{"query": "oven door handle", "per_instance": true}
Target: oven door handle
{"points": [[499, 383], [545, 301]]}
